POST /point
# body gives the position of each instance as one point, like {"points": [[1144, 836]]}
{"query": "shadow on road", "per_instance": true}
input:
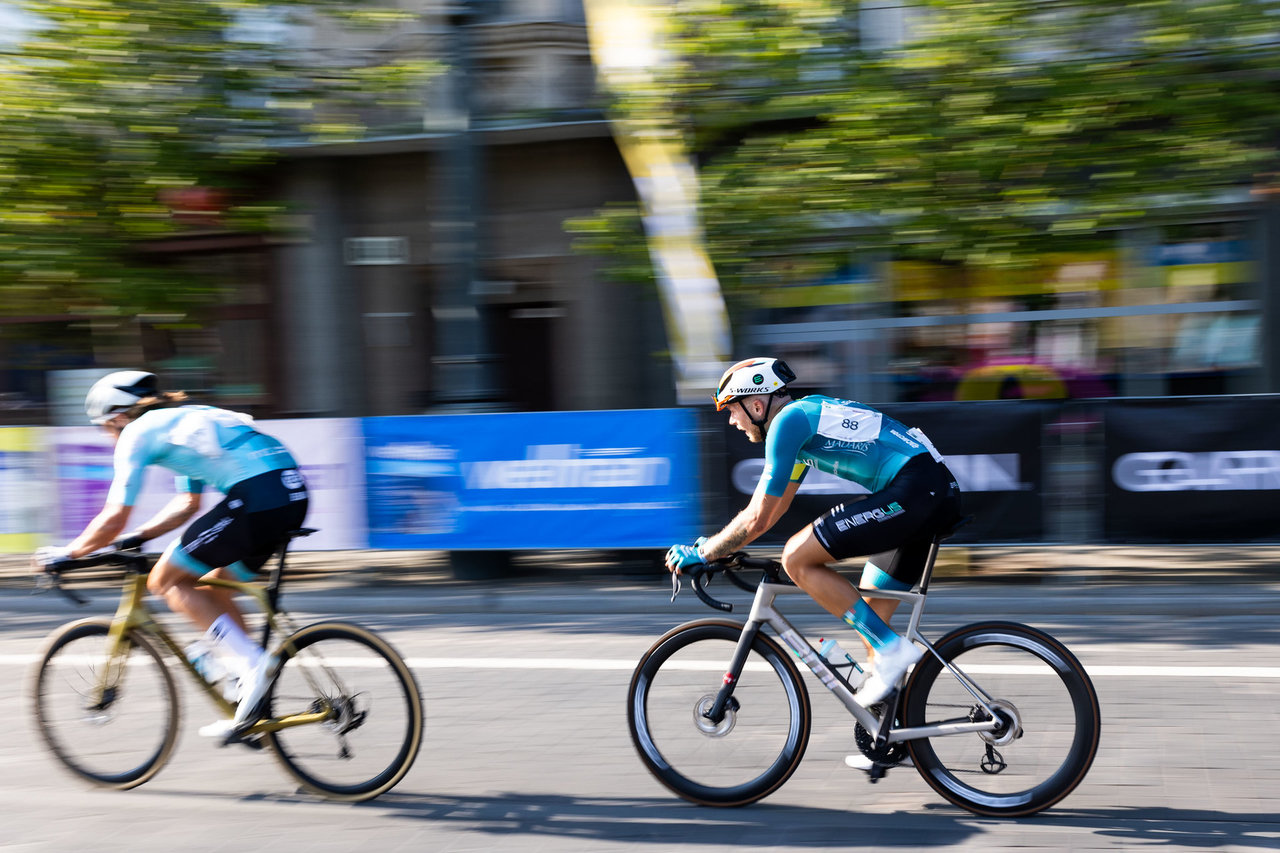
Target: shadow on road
{"points": [[1172, 828], [662, 823]]}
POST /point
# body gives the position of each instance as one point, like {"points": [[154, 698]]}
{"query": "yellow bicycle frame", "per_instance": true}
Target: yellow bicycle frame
{"points": [[132, 614]]}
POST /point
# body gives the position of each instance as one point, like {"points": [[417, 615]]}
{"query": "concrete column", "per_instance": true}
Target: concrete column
{"points": [[463, 373], [1268, 243], [320, 310]]}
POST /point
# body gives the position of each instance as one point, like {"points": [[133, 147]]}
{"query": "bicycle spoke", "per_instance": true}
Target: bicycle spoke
{"points": [[372, 723], [115, 733], [1047, 715], [738, 758]]}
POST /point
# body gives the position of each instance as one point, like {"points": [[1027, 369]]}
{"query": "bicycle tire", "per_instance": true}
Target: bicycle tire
{"points": [[91, 740], [1049, 705], [676, 680], [344, 758]]}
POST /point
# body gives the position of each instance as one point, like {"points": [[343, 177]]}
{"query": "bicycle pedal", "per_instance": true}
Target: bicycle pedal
{"points": [[256, 743], [877, 772]]}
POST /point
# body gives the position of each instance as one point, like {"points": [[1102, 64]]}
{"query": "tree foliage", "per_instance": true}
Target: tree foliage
{"points": [[114, 113], [994, 130]]}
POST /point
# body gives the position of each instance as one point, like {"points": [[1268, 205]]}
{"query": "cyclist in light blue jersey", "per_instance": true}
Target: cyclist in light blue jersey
{"points": [[912, 496], [265, 498]]}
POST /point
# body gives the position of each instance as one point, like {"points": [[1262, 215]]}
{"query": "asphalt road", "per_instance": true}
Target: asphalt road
{"points": [[526, 745]]}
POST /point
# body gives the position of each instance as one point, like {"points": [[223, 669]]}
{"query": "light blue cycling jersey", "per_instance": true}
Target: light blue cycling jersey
{"points": [[841, 437], [203, 444]]}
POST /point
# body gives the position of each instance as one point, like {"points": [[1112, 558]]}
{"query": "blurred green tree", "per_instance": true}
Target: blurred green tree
{"points": [[123, 121], [981, 132]]}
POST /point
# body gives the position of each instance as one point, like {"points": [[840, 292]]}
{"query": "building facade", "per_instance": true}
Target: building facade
{"points": [[427, 267]]}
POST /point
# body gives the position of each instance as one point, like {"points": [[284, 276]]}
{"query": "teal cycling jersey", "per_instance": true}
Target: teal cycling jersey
{"points": [[841, 437], [204, 445]]}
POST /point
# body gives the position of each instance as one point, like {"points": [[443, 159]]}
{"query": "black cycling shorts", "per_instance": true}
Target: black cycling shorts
{"points": [[246, 527], [920, 500]]}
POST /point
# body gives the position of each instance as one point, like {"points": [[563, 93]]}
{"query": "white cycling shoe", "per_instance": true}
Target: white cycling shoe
{"points": [[890, 665], [858, 761], [253, 690]]}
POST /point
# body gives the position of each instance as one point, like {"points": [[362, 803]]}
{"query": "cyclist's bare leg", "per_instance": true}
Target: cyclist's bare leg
{"points": [[226, 597], [186, 596], [806, 562], [883, 607]]}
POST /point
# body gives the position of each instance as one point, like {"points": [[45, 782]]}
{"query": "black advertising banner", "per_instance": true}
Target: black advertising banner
{"points": [[993, 448], [1193, 469]]}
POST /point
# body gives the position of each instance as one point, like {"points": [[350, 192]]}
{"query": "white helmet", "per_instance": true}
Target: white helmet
{"points": [[118, 391], [753, 376]]}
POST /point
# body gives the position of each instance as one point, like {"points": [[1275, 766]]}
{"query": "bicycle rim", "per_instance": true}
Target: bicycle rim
{"points": [[119, 737], [1047, 706], [735, 761], [374, 726]]}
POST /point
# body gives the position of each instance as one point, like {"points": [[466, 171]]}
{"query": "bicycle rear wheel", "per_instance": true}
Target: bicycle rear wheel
{"points": [[1048, 709], [744, 757], [114, 726], [374, 719]]}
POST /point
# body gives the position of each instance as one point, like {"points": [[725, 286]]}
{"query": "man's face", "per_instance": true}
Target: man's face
{"points": [[738, 417]]}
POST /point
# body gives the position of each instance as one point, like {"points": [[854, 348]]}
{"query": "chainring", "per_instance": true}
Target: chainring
{"points": [[889, 754]]}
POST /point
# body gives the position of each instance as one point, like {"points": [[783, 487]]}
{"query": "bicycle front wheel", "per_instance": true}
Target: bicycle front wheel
{"points": [[1045, 704], [373, 720], [739, 759], [112, 721]]}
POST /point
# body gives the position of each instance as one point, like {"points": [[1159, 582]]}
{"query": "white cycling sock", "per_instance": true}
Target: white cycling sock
{"points": [[231, 637]]}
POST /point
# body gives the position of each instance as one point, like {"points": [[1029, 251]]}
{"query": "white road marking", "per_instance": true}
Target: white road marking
{"points": [[626, 665]]}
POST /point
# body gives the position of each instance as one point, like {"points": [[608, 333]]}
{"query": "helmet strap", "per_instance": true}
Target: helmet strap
{"points": [[763, 422]]}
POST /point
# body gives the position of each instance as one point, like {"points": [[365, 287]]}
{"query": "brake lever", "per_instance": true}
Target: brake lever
{"points": [[675, 586]]}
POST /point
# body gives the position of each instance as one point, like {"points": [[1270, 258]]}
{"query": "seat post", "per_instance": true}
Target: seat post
{"points": [[944, 533], [277, 576], [927, 575]]}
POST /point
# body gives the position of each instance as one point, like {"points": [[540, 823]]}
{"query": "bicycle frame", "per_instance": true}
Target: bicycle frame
{"points": [[764, 612], [134, 614]]}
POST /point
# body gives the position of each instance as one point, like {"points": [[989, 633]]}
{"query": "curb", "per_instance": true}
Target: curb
{"points": [[1005, 600]]}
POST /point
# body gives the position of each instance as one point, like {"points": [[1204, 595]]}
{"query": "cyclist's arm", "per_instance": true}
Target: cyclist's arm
{"points": [[130, 461], [175, 513], [105, 528], [760, 514], [778, 484]]}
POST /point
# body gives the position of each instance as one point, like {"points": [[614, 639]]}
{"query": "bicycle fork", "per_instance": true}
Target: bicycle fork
{"points": [[724, 698], [117, 651]]}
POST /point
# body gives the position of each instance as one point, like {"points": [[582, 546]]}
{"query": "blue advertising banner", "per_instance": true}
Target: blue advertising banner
{"points": [[615, 479]]}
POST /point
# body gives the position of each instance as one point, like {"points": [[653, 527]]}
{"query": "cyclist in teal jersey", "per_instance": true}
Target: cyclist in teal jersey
{"points": [[912, 496], [265, 498]]}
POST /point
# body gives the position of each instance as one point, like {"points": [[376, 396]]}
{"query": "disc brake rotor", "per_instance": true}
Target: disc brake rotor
{"points": [[708, 726], [1011, 724]]}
